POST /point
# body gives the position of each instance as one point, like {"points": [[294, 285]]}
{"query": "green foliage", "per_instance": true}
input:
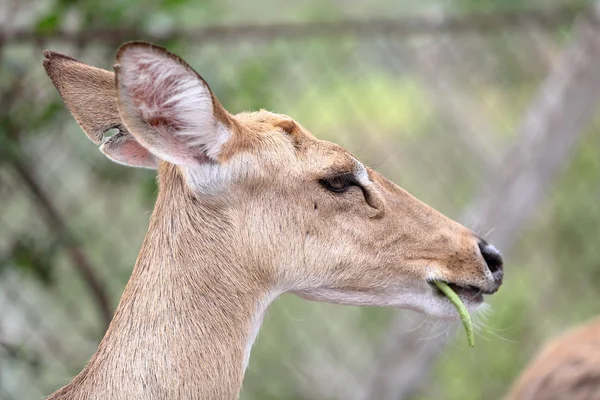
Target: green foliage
{"points": [[498, 5], [48, 23], [487, 5], [149, 189], [31, 257], [254, 79], [393, 105], [572, 226]]}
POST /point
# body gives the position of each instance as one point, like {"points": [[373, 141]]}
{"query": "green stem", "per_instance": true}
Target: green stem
{"points": [[465, 317]]}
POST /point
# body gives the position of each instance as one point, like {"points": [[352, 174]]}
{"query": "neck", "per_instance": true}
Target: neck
{"points": [[185, 323]]}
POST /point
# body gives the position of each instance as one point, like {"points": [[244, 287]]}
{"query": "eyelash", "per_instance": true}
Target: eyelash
{"points": [[339, 183]]}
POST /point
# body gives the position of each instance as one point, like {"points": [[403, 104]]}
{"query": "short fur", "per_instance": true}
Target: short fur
{"points": [[238, 222], [90, 97], [568, 367]]}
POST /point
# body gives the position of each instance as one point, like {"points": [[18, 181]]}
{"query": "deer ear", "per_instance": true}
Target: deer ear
{"points": [[90, 95], [168, 107]]}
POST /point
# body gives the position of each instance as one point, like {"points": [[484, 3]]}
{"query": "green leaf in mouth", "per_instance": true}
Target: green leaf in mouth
{"points": [[465, 317]]}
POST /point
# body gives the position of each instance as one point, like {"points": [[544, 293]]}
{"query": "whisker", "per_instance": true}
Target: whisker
{"points": [[423, 322], [501, 337], [487, 235], [434, 336]]}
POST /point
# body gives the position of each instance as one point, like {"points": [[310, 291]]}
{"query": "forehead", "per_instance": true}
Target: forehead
{"points": [[282, 141]]}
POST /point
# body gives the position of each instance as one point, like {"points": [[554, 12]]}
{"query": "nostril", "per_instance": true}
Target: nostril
{"points": [[492, 258]]}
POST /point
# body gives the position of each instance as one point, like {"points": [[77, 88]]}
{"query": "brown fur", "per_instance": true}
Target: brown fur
{"points": [[96, 106], [568, 367], [89, 95], [211, 260]]}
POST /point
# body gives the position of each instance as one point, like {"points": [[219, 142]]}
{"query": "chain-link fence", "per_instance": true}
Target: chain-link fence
{"points": [[489, 118]]}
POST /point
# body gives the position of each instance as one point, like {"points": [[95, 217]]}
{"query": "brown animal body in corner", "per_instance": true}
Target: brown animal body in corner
{"points": [[567, 368]]}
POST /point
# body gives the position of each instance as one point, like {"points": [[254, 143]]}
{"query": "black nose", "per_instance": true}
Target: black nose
{"points": [[493, 259]]}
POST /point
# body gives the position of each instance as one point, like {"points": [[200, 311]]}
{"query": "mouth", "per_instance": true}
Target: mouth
{"points": [[467, 293]]}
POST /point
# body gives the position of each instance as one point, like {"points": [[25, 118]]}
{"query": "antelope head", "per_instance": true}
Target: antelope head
{"points": [[254, 203]]}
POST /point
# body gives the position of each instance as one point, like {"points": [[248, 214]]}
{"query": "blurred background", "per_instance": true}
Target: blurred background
{"points": [[486, 110]]}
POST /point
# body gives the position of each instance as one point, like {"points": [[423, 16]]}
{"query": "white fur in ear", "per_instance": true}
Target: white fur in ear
{"points": [[167, 106]]}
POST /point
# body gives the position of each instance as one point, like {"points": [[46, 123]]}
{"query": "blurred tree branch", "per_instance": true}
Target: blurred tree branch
{"points": [[471, 126], [9, 140], [414, 25], [21, 353], [55, 222], [554, 122]]}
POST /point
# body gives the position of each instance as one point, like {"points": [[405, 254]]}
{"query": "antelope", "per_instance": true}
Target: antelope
{"points": [[250, 206], [568, 367]]}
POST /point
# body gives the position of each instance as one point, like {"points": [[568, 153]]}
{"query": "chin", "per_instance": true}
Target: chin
{"points": [[423, 298], [438, 306]]}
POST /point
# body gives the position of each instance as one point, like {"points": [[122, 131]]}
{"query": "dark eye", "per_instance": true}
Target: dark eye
{"points": [[339, 183]]}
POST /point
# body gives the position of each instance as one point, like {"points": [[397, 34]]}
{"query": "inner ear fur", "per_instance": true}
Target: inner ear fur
{"points": [[169, 107]]}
